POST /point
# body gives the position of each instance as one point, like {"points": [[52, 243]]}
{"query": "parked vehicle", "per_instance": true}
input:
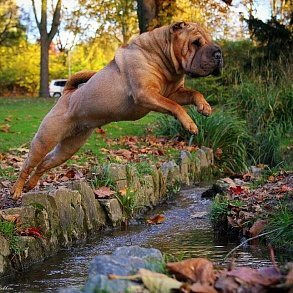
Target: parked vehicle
{"points": [[56, 87]]}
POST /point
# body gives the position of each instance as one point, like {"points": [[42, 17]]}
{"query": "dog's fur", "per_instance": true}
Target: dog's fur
{"points": [[146, 75]]}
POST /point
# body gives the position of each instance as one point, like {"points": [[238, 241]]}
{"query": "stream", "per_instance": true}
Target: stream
{"points": [[185, 233]]}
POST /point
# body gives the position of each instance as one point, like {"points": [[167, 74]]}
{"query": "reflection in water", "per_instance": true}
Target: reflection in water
{"points": [[181, 235]]}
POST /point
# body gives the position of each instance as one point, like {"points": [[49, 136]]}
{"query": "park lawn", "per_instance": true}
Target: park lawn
{"points": [[24, 115]]}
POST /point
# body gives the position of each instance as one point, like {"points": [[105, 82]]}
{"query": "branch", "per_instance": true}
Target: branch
{"points": [[36, 17], [55, 21], [247, 240]]}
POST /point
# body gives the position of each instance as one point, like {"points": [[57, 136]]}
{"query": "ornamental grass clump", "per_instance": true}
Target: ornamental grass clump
{"points": [[223, 131]]}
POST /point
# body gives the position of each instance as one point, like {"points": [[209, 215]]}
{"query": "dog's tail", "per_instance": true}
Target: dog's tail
{"points": [[77, 79]]}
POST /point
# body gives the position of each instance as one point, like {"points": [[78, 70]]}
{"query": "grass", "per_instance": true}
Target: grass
{"points": [[282, 219], [7, 229], [24, 115], [223, 130]]}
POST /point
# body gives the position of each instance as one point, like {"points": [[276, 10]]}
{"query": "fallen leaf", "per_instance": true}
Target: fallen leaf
{"points": [[14, 218], [32, 231], [158, 283], [103, 192], [5, 128], [194, 270], [226, 284], [257, 228], [5, 183], [198, 287], [158, 219], [8, 118], [218, 153], [236, 189], [264, 276], [100, 131]]}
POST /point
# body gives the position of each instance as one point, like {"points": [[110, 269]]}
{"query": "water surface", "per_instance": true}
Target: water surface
{"points": [[182, 235]]}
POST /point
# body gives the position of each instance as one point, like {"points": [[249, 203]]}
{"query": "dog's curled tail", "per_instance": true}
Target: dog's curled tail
{"points": [[78, 78]]}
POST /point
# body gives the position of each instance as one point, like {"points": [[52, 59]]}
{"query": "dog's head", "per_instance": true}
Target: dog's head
{"points": [[194, 50]]}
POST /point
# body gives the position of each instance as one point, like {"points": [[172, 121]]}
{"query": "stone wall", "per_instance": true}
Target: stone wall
{"points": [[68, 215]]}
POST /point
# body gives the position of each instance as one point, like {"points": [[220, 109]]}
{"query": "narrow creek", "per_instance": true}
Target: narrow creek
{"points": [[183, 235]]}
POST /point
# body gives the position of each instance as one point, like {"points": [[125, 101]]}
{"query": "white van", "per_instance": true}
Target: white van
{"points": [[56, 87]]}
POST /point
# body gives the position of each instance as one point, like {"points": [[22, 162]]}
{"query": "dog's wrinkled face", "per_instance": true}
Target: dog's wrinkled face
{"points": [[195, 51]]}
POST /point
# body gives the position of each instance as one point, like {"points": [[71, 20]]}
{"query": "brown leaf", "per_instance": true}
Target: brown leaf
{"points": [[5, 128], [8, 118], [263, 276], [218, 153], [14, 218], [194, 270], [100, 131], [158, 219], [198, 287], [226, 284], [5, 183], [104, 192], [257, 228]]}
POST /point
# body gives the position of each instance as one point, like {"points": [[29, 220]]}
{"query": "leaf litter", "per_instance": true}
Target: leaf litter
{"points": [[122, 150]]}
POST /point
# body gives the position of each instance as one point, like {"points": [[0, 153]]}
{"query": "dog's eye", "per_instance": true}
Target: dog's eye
{"points": [[197, 43]]}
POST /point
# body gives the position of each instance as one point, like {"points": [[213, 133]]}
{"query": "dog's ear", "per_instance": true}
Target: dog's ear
{"points": [[177, 26]]}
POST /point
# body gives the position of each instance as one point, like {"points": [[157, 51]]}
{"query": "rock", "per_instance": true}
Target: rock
{"points": [[71, 215], [256, 172], [113, 210], [32, 251], [117, 172], [124, 261], [148, 196], [26, 215], [202, 158], [48, 220], [213, 191], [94, 215], [4, 246], [199, 215], [209, 154], [121, 184]]}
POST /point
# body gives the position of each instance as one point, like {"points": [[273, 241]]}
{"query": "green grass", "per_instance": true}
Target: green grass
{"points": [[24, 115], [8, 230]]}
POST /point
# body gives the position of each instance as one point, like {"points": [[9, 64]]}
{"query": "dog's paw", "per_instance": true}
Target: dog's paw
{"points": [[204, 108], [190, 126], [15, 193]]}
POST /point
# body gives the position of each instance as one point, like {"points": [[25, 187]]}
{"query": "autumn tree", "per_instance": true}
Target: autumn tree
{"points": [[10, 28], [115, 18], [45, 40]]}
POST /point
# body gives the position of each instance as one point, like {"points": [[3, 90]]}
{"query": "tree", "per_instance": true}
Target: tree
{"points": [[10, 28], [116, 18], [155, 13], [45, 41]]}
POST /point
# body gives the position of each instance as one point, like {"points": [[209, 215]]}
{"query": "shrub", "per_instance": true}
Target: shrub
{"points": [[223, 130]]}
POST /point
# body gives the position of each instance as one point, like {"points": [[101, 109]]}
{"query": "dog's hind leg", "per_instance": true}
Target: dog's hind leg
{"points": [[37, 152], [61, 153], [47, 137]]}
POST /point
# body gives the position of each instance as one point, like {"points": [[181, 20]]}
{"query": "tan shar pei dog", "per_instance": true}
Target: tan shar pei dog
{"points": [[146, 75]]}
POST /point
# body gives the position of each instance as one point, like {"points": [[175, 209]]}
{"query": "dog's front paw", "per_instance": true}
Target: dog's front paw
{"points": [[204, 108], [190, 126]]}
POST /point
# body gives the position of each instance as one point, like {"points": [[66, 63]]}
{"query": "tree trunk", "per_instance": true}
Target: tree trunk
{"points": [[44, 69], [146, 12], [46, 39]]}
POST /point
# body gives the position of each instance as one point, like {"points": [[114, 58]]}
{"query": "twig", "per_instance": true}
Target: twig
{"points": [[247, 240], [273, 260]]}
